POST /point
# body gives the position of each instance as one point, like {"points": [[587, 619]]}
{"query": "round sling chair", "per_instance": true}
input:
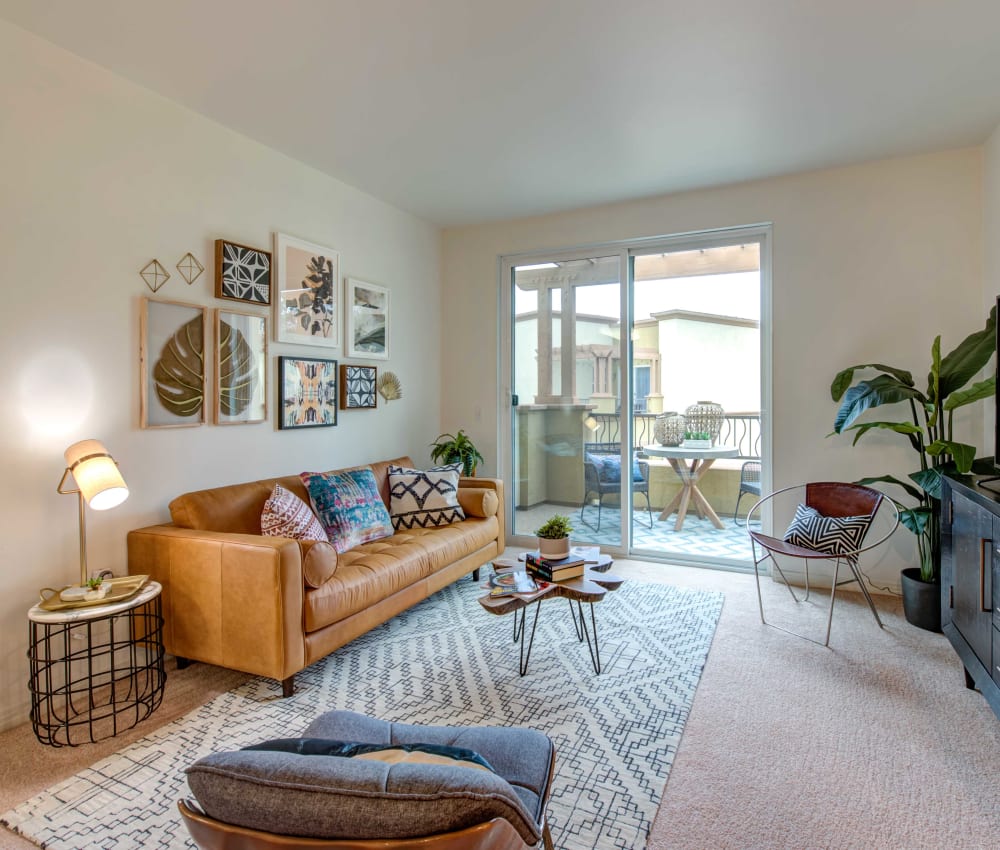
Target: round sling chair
{"points": [[830, 523]]}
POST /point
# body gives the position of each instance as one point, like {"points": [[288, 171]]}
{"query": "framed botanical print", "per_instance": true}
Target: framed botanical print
{"points": [[242, 273], [367, 307], [240, 368], [305, 304], [308, 388], [357, 387], [172, 347]]}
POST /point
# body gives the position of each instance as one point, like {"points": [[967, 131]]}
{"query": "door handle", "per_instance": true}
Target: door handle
{"points": [[982, 574]]}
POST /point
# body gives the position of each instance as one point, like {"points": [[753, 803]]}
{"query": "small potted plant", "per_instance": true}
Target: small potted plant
{"points": [[553, 538], [457, 448], [97, 588], [697, 440]]}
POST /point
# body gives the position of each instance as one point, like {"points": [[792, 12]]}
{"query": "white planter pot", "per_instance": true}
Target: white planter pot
{"points": [[697, 444], [553, 549]]}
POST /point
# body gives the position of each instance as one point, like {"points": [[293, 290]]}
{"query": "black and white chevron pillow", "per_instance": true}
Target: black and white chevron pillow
{"points": [[424, 498], [834, 535]]}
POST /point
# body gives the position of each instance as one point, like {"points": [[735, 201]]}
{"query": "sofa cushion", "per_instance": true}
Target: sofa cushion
{"points": [[286, 515], [422, 498], [410, 753], [609, 468], [349, 506], [478, 501], [319, 562], [834, 535]]}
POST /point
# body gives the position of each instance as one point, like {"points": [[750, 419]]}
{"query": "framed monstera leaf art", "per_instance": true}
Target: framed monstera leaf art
{"points": [[240, 368], [172, 364]]}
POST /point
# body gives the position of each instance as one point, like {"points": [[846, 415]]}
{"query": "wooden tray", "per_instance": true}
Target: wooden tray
{"points": [[121, 588]]}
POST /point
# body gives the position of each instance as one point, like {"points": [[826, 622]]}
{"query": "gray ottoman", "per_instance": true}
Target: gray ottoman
{"points": [[284, 793]]}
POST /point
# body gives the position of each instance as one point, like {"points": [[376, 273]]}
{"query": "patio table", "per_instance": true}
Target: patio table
{"points": [[690, 465]]}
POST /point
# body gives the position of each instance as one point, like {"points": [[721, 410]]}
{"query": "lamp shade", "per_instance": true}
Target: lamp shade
{"points": [[96, 474]]}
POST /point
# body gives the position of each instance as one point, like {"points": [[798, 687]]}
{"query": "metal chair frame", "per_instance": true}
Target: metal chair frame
{"points": [[749, 483], [772, 546], [592, 482]]}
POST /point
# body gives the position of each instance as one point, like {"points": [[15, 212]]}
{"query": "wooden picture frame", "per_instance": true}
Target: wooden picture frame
{"points": [[172, 375], [307, 296], [367, 309], [307, 389], [240, 367], [242, 273], [358, 390]]}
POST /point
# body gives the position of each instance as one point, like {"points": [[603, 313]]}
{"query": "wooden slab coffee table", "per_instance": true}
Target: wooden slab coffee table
{"points": [[591, 587]]}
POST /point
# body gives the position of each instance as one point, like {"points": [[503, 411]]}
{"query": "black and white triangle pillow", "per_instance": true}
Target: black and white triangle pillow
{"points": [[424, 498], [834, 535]]}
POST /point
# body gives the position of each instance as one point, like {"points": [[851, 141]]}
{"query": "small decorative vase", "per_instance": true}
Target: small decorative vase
{"points": [[553, 550], [705, 416], [668, 428]]}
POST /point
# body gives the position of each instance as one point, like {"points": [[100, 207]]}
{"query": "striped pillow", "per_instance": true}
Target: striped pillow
{"points": [[833, 535], [286, 515]]}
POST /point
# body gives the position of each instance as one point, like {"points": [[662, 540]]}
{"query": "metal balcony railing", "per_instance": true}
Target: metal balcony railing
{"points": [[738, 429]]}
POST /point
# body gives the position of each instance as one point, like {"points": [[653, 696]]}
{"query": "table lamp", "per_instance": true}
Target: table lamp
{"points": [[98, 483]]}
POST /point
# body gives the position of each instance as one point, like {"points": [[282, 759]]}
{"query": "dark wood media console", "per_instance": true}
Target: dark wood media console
{"points": [[970, 580]]}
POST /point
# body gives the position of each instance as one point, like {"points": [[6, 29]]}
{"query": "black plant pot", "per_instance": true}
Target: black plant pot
{"points": [[921, 600]]}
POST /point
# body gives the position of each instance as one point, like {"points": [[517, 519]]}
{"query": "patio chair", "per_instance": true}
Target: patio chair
{"points": [[831, 522], [602, 476], [749, 483]]}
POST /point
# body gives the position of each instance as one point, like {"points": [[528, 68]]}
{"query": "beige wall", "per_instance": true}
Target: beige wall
{"points": [[991, 251], [869, 263], [99, 176]]}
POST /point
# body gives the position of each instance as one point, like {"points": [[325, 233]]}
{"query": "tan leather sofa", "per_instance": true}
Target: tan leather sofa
{"points": [[272, 605]]}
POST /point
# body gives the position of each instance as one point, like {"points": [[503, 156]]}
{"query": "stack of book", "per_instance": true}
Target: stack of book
{"points": [[550, 570]]}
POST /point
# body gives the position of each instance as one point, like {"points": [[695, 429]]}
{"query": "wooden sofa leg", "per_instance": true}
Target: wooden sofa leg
{"points": [[288, 686], [182, 663], [475, 574], [546, 837]]}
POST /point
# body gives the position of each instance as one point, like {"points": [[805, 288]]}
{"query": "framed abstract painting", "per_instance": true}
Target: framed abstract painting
{"points": [[240, 368], [367, 320], [172, 348], [305, 304], [308, 392], [242, 273], [357, 387]]}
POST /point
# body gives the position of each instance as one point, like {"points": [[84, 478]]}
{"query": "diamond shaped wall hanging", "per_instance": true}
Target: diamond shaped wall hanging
{"points": [[190, 268], [154, 275]]}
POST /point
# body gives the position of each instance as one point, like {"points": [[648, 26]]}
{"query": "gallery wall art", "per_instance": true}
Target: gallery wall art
{"points": [[240, 368], [308, 392], [357, 387], [307, 279], [172, 364], [242, 273], [367, 320]]}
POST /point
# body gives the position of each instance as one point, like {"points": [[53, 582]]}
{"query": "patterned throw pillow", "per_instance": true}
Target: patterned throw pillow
{"points": [[609, 468], [424, 498], [286, 515], [349, 506], [834, 535]]}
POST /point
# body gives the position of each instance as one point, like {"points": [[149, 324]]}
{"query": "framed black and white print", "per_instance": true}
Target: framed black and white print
{"points": [[357, 387], [307, 292], [240, 368], [242, 273], [308, 388], [367, 308]]}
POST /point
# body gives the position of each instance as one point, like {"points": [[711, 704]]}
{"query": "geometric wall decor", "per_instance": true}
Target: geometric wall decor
{"points": [[307, 392], [242, 273], [190, 268], [154, 274], [357, 387]]}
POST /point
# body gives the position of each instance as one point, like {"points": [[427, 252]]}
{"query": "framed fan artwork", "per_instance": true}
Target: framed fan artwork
{"points": [[172, 374], [367, 308], [357, 387], [306, 309], [240, 368], [242, 273]]}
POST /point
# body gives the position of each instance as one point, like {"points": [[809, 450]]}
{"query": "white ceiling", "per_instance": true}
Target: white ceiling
{"points": [[466, 110]]}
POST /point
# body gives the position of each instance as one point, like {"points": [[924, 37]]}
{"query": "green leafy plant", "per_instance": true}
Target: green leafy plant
{"points": [[457, 448], [94, 583], [555, 528], [929, 428], [697, 435]]}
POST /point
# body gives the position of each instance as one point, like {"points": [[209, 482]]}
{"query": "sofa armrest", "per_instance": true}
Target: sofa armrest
{"points": [[496, 485], [229, 599]]}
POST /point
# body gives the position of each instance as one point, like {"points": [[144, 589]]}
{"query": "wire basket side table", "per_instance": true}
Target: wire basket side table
{"points": [[95, 672]]}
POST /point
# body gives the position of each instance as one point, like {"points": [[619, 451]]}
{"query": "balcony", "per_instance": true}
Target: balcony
{"points": [[550, 457]]}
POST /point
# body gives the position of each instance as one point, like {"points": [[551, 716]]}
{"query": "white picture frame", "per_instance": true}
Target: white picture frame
{"points": [[307, 276], [366, 306]]}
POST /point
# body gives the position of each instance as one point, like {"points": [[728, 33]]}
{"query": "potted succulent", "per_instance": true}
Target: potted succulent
{"points": [[457, 448], [697, 440], [97, 588], [553, 537], [929, 432]]}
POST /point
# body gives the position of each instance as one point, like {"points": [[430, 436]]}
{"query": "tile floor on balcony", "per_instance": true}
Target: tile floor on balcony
{"points": [[697, 539]]}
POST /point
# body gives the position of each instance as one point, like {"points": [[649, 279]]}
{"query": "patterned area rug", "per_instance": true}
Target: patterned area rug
{"points": [[445, 661]]}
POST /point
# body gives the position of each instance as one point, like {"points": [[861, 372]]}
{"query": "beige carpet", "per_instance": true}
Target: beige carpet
{"points": [[874, 743]]}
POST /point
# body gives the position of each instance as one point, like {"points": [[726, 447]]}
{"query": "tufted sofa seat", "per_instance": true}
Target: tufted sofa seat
{"points": [[272, 605]]}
